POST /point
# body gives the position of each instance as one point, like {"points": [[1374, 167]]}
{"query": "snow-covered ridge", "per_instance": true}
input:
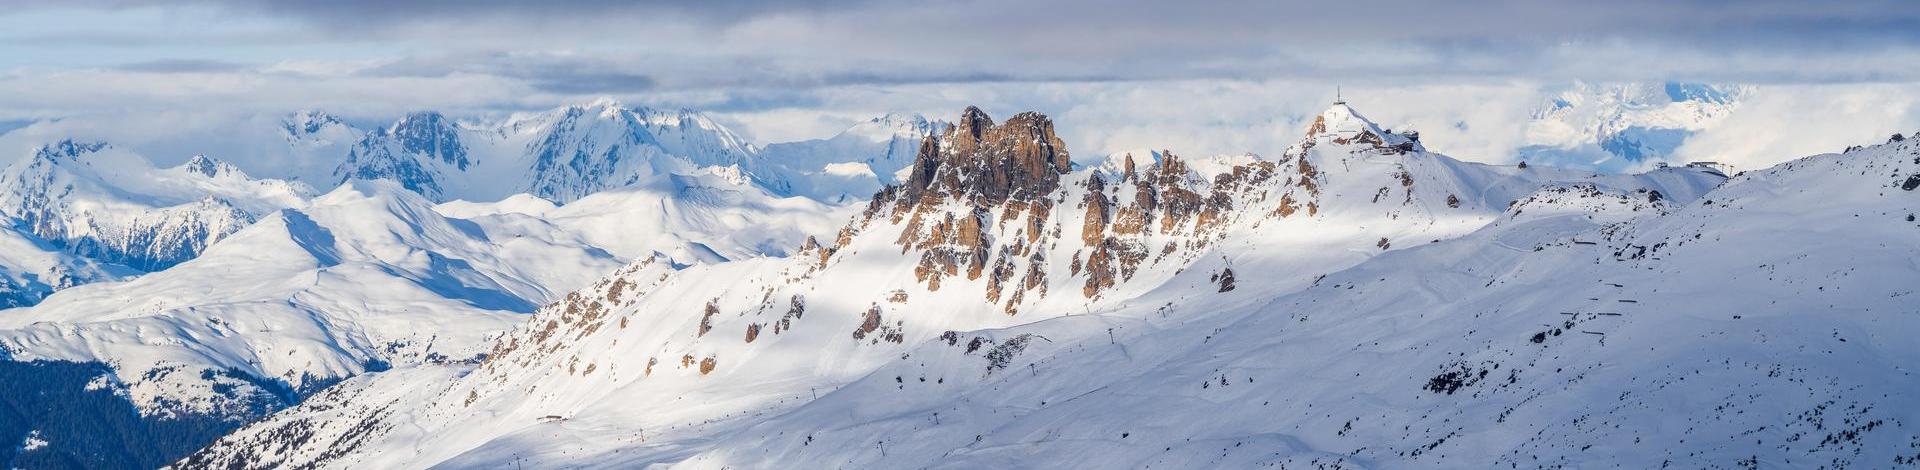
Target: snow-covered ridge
{"points": [[690, 219], [366, 277], [113, 206], [991, 229], [31, 269], [217, 297], [1761, 322], [577, 150], [323, 287], [102, 204]]}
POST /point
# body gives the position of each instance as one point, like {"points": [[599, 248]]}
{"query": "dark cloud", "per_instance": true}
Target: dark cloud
{"points": [[594, 84], [361, 14], [615, 74], [587, 47], [1128, 21]]}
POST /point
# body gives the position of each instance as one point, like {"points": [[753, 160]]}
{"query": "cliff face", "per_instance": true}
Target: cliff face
{"points": [[980, 203], [960, 181], [1166, 212], [989, 164]]}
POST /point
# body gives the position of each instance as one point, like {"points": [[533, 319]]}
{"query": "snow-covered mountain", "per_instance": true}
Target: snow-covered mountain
{"points": [[367, 277], [1762, 324], [1624, 126], [561, 155], [646, 288], [418, 152], [575, 151], [853, 164], [31, 269], [993, 253], [688, 218], [112, 206], [234, 297], [683, 177], [316, 145]]}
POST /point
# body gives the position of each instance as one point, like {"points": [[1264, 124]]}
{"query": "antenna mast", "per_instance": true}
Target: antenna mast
{"points": [[1337, 99]]}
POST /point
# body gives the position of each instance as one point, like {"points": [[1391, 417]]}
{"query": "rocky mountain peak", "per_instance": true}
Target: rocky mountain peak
{"points": [[973, 120], [430, 134], [605, 103], [209, 166], [306, 122], [977, 159], [68, 149], [892, 126]]}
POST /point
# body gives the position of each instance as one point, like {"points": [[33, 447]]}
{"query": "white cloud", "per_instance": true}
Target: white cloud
{"points": [[1780, 123], [1478, 119]]}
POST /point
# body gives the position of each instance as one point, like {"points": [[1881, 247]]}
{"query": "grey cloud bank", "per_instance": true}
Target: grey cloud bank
{"points": [[1209, 77]]}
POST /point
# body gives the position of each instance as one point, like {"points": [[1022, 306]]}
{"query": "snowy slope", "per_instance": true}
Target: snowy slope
{"points": [[31, 268], [695, 219], [366, 277], [689, 219], [113, 206], [990, 229], [369, 276], [1763, 325]]}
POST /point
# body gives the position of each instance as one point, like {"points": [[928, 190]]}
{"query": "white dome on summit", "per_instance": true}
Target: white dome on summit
{"points": [[1340, 124], [1342, 121]]}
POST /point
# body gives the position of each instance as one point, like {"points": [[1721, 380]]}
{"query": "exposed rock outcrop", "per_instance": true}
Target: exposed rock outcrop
{"points": [[968, 182], [1172, 207]]}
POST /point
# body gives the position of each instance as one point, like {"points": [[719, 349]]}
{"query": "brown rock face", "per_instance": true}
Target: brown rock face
{"points": [[869, 322], [796, 308], [960, 181], [1167, 200], [873, 328], [1097, 210], [706, 318], [811, 248], [989, 164]]}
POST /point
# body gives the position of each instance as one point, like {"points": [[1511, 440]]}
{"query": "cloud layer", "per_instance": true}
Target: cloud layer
{"points": [[1201, 77]]}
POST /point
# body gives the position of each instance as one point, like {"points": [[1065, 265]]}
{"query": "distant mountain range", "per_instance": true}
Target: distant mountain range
{"points": [[575, 151], [81, 211], [1624, 126]]}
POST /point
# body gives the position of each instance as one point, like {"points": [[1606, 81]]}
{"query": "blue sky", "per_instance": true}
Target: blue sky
{"points": [[1218, 75]]}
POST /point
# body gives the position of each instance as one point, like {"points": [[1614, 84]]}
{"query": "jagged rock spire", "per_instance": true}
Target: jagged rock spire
{"points": [[1021, 159]]}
